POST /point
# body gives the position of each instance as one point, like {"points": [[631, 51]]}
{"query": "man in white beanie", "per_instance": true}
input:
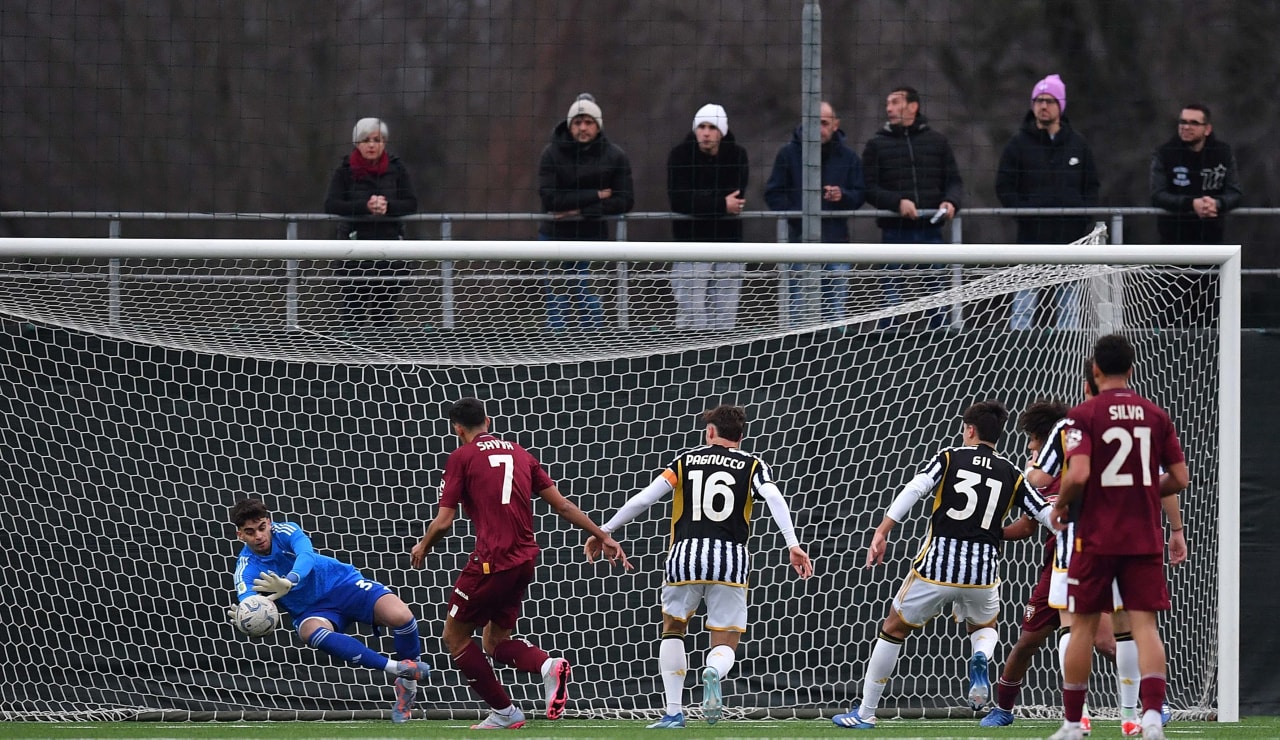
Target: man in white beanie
{"points": [[582, 177], [706, 180]]}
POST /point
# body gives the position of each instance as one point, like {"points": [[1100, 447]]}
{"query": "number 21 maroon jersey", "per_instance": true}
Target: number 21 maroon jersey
{"points": [[1127, 439]]}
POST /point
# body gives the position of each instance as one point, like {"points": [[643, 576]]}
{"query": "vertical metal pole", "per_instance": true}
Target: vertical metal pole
{"points": [[291, 280], [624, 295], [113, 278], [1117, 228], [448, 318], [811, 112], [957, 275]]}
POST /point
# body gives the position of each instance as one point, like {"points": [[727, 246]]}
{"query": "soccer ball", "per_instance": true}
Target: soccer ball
{"points": [[257, 616]]}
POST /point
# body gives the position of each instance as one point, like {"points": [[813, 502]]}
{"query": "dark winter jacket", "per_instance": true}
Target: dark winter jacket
{"points": [[1179, 175], [350, 197], [697, 185], [913, 162], [1038, 172], [840, 166], [570, 176]]}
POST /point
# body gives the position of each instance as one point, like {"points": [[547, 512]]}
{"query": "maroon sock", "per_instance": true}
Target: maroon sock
{"points": [[1007, 693], [479, 674], [521, 655], [1073, 701], [1151, 692]]}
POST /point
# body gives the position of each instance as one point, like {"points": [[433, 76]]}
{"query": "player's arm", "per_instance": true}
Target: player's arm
{"points": [[898, 511], [1171, 484], [275, 586], [782, 516], [1074, 478], [1037, 477], [436, 530], [570, 512], [1021, 529], [636, 505]]}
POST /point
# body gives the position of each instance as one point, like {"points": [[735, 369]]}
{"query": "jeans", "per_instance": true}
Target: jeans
{"points": [[833, 287], [892, 286], [1022, 315], [570, 297]]}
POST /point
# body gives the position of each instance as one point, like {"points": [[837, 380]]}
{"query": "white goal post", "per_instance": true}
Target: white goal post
{"points": [[148, 384]]}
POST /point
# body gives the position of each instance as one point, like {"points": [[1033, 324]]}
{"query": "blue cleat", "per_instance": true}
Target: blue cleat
{"points": [[403, 708], [979, 682], [997, 717], [712, 699], [853, 720], [1166, 714], [669, 722]]}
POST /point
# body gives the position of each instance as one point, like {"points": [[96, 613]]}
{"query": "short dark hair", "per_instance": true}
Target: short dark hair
{"points": [[248, 510], [909, 91], [467, 413], [1088, 377], [1037, 420], [1113, 354], [730, 421], [1200, 107], [988, 417]]}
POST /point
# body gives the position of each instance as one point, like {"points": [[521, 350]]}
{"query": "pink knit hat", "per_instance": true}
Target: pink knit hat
{"points": [[1053, 85]]}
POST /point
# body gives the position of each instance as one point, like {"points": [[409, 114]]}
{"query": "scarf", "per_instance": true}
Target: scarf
{"points": [[362, 170]]}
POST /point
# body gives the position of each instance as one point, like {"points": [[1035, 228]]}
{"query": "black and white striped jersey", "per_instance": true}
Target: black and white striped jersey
{"points": [[714, 491], [1051, 461], [974, 489]]}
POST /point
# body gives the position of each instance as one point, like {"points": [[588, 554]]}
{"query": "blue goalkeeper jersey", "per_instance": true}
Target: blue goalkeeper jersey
{"points": [[291, 552]]}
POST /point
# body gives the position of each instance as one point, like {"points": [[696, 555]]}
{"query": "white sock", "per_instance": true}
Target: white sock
{"points": [[984, 641], [1063, 641], [1151, 718], [393, 667], [508, 711], [720, 658], [1128, 676], [879, 670], [673, 664]]}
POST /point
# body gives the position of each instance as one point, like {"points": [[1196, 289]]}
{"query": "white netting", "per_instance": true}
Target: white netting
{"points": [[143, 397]]}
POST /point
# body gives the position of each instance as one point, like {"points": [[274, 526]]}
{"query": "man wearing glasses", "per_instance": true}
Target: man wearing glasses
{"points": [[1048, 164], [1194, 178]]}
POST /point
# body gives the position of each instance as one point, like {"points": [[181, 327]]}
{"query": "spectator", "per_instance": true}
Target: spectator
{"points": [[842, 190], [911, 171], [371, 186], [582, 177], [1194, 177], [1047, 165], [707, 179]]}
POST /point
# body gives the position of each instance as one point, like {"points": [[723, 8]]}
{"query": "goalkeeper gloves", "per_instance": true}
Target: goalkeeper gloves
{"points": [[273, 586], [231, 617]]}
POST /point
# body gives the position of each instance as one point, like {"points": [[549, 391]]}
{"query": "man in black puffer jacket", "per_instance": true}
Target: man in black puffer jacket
{"points": [[911, 171], [1194, 177], [1047, 164], [582, 176]]}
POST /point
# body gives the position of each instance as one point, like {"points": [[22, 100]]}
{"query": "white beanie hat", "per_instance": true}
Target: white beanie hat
{"points": [[714, 115], [585, 105]]}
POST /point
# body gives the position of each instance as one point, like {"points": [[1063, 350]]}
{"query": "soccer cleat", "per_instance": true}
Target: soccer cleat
{"points": [[495, 721], [1166, 713], [712, 699], [557, 683], [1131, 728], [414, 670], [1086, 726], [1068, 731], [403, 707], [997, 717], [853, 720], [979, 681], [669, 722]]}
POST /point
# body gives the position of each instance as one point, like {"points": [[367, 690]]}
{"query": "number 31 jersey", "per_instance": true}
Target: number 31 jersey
{"points": [[974, 491], [714, 491]]}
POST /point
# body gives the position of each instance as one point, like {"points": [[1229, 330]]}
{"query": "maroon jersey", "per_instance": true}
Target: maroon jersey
{"points": [[495, 480], [1127, 439]]}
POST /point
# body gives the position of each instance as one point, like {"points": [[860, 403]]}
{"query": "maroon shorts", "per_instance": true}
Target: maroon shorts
{"points": [[1038, 615], [480, 598], [1140, 579]]}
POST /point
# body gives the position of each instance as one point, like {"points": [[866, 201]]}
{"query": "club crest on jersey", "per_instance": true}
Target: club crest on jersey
{"points": [[1073, 438], [1031, 613]]}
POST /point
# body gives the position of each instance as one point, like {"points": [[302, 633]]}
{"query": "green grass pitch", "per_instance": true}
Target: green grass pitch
{"points": [[1251, 727]]}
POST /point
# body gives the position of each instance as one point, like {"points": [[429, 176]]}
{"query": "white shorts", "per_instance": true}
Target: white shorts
{"points": [[1058, 592], [919, 600], [726, 605]]}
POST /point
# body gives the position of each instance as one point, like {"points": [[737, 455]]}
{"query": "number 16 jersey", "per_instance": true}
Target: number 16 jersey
{"points": [[714, 491]]}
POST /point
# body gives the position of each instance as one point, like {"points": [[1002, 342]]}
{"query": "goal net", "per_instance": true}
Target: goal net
{"points": [[145, 390]]}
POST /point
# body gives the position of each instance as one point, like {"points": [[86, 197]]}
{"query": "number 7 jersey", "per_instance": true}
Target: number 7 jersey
{"points": [[714, 491]]}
